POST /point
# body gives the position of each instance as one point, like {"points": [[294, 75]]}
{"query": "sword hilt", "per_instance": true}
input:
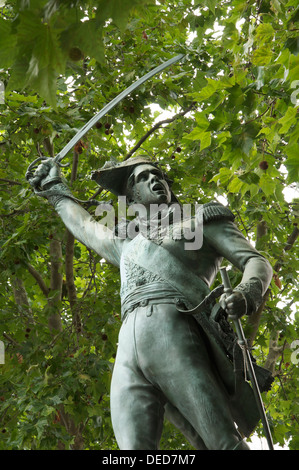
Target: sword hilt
{"points": [[30, 173]]}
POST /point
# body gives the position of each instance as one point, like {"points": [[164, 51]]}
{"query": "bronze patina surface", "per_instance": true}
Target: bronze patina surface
{"points": [[170, 363]]}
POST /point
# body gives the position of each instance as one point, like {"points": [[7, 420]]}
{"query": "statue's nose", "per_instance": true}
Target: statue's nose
{"points": [[154, 179]]}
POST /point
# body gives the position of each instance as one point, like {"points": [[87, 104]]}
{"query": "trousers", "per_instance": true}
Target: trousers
{"points": [[162, 358]]}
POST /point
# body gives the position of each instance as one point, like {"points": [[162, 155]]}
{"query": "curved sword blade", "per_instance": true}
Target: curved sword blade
{"points": [[112, 104]]}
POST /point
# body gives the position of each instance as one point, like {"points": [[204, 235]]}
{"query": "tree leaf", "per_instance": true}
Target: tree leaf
{"points": [[7, 44], [292, 162], [264, 33], [262, 56], [89, 37], [288, 119], [267, 185], [235, 185], [198, 134]]}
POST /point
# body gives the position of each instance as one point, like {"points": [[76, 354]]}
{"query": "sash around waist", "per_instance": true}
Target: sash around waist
{"points": [[152, 291]]}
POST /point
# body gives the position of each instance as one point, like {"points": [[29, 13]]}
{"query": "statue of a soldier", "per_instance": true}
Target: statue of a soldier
{"points": [[168, 362]]}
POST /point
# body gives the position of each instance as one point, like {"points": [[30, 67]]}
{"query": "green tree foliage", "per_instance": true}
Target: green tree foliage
{"points": [[231, 130]]}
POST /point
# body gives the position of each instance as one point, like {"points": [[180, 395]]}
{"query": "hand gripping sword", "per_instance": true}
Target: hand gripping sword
{"points": [[59, 157], [243, 344]]}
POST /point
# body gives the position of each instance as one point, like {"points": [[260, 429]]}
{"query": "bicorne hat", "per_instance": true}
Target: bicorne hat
{"points": [[113, 176]]}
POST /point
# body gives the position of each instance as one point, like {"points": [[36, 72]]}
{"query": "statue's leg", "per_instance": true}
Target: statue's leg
{"points": [[173, 356], [173, 415], [137, 407], [181, 423]]}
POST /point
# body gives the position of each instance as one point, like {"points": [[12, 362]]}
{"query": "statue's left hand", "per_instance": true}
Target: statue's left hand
{"points": [[234, 304]]}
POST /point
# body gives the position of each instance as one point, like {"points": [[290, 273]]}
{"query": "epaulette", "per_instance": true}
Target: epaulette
{"points": [[215, 211]]}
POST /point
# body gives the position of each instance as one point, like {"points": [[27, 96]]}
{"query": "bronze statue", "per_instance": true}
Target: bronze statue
{"points": [[170, 363]]}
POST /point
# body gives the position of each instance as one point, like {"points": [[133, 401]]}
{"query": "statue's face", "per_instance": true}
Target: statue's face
{"points": [[149, 186]]}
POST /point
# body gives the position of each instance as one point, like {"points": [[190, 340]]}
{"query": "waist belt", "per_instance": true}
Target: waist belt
{"points": [[145, 302]]}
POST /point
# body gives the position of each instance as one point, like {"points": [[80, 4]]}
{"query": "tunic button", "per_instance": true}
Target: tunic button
{"points": [[143, 303]]}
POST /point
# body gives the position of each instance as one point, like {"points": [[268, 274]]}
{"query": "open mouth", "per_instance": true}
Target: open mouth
{"points": [[158, 187]]}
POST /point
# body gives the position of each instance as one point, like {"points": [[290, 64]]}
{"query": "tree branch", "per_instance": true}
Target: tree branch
{"points": [[69, 259], [292, 238], [274, 352], [255, 318], [69, 274], [45, 290], [49, 146], [56, 256], [72, 428], [74, 167], [5, 180], [56, 285], [260, 115], [21, 299], [97, 193], [9, 339], [290, 242], [155, 127]]}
